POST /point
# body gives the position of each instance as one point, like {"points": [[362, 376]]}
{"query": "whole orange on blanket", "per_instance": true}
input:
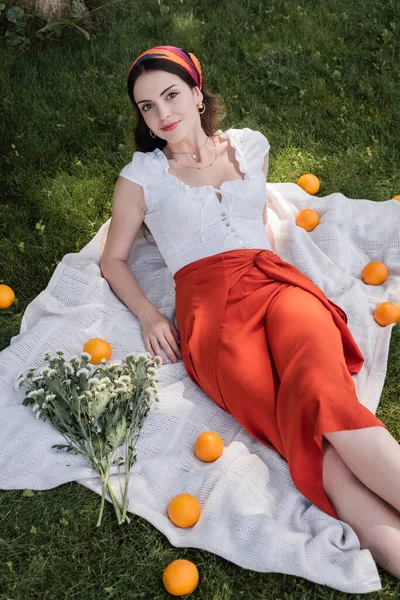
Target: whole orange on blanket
{"points": [[307, 218], [184, 510], [98, 349], [309, 183], [387, 313], [374, 273], [209, 446]]}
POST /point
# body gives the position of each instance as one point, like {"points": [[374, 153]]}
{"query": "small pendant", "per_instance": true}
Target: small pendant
{"points": [[194, 155]]}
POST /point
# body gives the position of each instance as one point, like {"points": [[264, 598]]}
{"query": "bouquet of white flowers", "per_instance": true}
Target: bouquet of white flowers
{"points": [[96, 415]]}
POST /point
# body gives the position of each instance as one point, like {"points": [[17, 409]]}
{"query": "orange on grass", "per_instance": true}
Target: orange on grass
{"points": [[386, 313], [374, 273], [208, 446], [309, 183], [180, 577], [7, 296], [307, 218], [396, 198], [184, 510], [98, 349]]}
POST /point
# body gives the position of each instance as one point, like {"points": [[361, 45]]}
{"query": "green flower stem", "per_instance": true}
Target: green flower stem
{"points": [[128, 465], [117, 507], [105, 476], [103, 496]]}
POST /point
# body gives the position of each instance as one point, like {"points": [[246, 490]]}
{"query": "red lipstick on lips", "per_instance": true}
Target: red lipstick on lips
{"points": [[170, 127]]}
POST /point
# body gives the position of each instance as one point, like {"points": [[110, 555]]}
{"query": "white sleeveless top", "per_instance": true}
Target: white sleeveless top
{"points": [[189, 223]]}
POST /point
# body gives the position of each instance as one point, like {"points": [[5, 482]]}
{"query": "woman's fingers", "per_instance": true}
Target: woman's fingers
{"points": [[174, 344], [161, 334], [169, 345]]}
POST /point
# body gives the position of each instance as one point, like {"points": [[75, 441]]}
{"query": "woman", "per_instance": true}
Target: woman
{"points": [[256, 334]]}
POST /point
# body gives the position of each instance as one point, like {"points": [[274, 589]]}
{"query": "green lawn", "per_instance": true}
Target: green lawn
{"points": [[320, 80]]}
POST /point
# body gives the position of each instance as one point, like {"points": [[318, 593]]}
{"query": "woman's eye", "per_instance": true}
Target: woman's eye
{"points": [[144, 107]]}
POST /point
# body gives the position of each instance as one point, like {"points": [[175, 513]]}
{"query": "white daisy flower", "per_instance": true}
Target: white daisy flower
{"points": [[83, 371], [120, 390], [50, 397]]}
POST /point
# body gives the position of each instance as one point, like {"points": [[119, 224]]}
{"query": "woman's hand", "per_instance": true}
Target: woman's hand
{"points": [[159, 333]]}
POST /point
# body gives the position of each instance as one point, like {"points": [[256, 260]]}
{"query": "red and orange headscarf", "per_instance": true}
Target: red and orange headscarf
{"points": [[187, 60]]}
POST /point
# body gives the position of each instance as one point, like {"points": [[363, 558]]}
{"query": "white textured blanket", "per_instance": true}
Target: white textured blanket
{"points": [[252, 514]]}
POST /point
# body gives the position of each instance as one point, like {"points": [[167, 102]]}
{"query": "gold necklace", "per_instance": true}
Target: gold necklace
{"points": [[192, 155], [215, 148]]}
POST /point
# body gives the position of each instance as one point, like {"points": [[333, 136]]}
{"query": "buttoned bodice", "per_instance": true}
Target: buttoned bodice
{"points": [[189, 223]]}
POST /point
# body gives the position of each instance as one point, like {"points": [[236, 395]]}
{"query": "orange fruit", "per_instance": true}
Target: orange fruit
{"points": [[309, 183], [374, 273], [396, 198], [7, 296], [98, 349], [184, 510], [386, 313], [180, 577], [307, 218], [208, 446]]}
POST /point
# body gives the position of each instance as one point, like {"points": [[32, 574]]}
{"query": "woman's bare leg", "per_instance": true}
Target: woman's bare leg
{"points": [[373, 455], [376, 523]]}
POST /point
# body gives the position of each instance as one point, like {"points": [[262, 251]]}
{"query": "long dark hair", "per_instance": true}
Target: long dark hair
{"points": [[210, 119]]}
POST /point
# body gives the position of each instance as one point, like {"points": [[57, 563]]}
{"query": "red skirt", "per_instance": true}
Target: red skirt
{"points": [[267, 345]]}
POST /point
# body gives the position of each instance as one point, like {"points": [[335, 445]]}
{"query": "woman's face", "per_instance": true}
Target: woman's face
{"points": [[163, 98]]}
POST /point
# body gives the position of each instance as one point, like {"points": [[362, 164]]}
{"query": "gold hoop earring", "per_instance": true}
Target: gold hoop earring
{"points": [[151, 133], [203, 106]]}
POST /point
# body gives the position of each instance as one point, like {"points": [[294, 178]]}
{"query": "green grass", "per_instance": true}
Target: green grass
{"points": [[320, 80]]}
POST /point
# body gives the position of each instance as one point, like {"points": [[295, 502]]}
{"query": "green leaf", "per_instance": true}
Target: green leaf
{"points": [[117, 435], [85, 33], [67, 446], [100, 402], [76, 403], [15, 14], [28, 493]]}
